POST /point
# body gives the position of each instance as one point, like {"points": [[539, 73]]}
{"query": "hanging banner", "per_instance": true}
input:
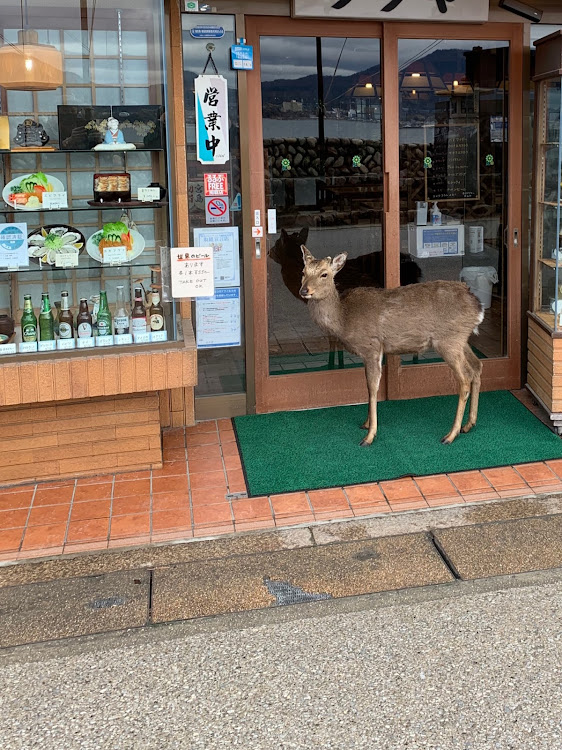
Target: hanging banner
{"points": [[472, 11], [211, 119]]}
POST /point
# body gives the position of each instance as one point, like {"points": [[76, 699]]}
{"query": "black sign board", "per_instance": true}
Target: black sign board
{"points": [[452, 162]]}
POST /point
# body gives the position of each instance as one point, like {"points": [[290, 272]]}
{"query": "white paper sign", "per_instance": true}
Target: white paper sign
{"points": [[27, 346], [115, 255], [395, 10], [104, 340], [148, 194], [66, 344], [141, 337], [271, 221], [257, 231], [158, 336], [7, 349], [55, 200], [123, 338], [217, 211], [226, 253], [192, 271], [86, 343], [196, 195], [13, 245], [47, 346], [218, 319], [211, 119], [66, 260]]}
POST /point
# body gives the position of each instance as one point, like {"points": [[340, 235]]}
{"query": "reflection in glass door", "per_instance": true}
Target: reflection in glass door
{"points": [[453, 99], [322, 148]]}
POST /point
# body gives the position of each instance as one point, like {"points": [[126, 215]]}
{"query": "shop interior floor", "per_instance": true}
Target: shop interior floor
{"points": [[201, 492]]}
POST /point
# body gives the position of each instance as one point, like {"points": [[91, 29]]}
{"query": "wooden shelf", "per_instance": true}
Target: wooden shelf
{"points": [[550, 262]]}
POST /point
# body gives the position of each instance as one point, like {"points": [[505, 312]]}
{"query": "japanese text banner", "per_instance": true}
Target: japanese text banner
{"points": [[211, 119]]}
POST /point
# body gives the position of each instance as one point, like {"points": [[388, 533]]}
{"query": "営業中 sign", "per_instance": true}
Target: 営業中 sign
{"points": [[395, 10], [192, 271], [211, 119], [216, 184]]}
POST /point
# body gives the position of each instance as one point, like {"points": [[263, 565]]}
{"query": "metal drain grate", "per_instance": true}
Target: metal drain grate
{"points": [[111, 601], [287, 593], [236, 495]]}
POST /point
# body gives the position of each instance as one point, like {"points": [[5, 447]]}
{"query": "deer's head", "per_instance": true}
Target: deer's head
{"points": [[318, 275]]}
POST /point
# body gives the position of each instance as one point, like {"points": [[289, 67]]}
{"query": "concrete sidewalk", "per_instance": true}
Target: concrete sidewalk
{"points": [[472, 666]]}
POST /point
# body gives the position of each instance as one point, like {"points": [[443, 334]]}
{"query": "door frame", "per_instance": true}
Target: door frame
{"points": [[336, 387]]}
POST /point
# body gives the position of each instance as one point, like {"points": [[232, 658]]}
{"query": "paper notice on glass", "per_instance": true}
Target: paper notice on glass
{"points": [[226, 254], [218, 319], [13, 245], [192, 271]]}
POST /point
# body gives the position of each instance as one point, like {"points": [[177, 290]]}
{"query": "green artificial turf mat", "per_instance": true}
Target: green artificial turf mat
{"points": [[304, 450]]}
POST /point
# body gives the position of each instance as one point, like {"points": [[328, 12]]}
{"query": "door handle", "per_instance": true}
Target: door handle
{"points": [[258, 247]]}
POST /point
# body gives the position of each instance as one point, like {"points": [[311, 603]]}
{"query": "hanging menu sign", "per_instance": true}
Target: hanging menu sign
{"points": [[452, 163]]}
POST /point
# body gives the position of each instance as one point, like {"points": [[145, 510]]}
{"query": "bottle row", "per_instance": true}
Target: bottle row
{"points": [[97, 327]]}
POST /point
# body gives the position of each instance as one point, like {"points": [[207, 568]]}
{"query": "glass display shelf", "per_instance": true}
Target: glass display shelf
{"points": [[18, 152], [83, 265], [5, 209]]}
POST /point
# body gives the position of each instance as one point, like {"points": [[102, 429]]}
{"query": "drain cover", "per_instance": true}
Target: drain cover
{"points": [[287, 593]]}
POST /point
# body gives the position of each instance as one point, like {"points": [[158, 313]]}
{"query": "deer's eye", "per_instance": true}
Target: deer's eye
{"points": [[324, 276]]}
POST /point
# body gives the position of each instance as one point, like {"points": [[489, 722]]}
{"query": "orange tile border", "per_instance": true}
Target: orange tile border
{"points": [[253, 525], [170, 520], [169, 484], [203, 480], [411, 504], [400, 490], [210, 531], [203, 438], [170, 501], [371, 510], [73, 548], [252, 509], [132, 524], [14, 519], [132, 488], [326, 501], [172, 536], [536, 474], [437, 486], [33, 553], [282, 521], [15, 500], [504, 478], [89, 492], [230, 449], [89, 509], [365, 494], [122, 506], [209, 515], [44, 515], [52, 496], [10, 540], [470, 482], [129, 541], [90, 530], [291, 504], [210, 496], [41, 537]]}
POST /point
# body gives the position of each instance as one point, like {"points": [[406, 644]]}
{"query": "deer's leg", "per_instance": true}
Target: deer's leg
{"points": [[476, 366], [373, 365], [461, 370]]}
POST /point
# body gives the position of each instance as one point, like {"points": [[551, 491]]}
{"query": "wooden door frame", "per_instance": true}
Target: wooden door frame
{"points": [[347, 386], [498, 373]]}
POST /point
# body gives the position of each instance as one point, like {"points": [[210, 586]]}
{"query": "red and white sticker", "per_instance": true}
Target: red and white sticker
{"points": [[215, 184], [217, 211], [257, 231]]}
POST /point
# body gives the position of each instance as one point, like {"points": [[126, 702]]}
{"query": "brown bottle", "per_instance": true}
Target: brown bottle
{"points": [[156, 313], [66, 319], [138, 314], [84, 320]]}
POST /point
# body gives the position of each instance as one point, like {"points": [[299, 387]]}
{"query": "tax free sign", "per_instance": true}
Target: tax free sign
{"points": [[395, 10]]}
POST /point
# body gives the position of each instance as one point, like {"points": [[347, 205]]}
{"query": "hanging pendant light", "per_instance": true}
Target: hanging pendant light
{"points": [[28, 65]]}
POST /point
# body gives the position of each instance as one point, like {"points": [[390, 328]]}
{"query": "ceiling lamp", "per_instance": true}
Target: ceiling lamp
{"points": [[28, 65]]}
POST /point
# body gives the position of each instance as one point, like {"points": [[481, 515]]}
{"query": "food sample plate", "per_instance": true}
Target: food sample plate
{"points": [[92, 245], [45, 243], [25, 193]]}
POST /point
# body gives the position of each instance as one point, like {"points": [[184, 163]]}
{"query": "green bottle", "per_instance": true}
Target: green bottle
{"points": [[28, 320], [46, 320], [104, 317]]}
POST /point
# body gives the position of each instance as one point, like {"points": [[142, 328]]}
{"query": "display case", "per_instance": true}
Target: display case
{"points": [[93, 351], [544, 377]]}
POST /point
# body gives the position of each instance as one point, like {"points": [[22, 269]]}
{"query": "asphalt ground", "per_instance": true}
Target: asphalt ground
{"points": [[473, 665]]}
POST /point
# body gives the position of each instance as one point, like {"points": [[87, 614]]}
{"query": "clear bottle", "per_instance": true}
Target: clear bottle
{"points": [[139, 313], [156, 313], [46, 320], [121, 323], [104, 316], [66, 318], [84, 320], [28, 320]]}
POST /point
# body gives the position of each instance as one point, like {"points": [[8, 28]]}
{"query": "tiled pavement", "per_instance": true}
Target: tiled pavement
{"points": [[191, 497]]}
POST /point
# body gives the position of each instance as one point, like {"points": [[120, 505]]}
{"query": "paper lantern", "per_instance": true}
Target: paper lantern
{"points": [[30, 66]]}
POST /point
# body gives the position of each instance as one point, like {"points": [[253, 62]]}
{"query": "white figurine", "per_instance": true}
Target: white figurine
{"points": [[114, 140]]}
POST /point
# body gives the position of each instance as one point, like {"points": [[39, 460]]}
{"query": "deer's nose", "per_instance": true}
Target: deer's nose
{"points": [[304, 291]]}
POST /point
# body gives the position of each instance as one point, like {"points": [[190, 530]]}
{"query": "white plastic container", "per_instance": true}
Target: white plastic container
{"points": [[436, 217], [475, 240], [436, 242], [480, 280], [421, 213]]}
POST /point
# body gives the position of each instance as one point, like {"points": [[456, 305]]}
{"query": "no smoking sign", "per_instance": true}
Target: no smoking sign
{"points": [[216, 210]]}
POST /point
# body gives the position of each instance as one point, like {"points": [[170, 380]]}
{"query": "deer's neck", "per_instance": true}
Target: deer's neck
{"points": [[327, 313]]}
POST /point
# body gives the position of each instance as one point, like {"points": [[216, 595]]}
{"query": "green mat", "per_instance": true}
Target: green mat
{"points": [[304, 450]]}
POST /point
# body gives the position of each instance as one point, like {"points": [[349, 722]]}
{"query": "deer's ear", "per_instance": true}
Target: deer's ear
{"points": [[284, 234], [306, 254], [303, 235], [339, 262]]}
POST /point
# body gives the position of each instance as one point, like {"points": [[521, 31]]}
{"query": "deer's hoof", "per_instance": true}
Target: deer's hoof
{"points": [[446, 440], [467, 427], [365, 442], [365, 426]]}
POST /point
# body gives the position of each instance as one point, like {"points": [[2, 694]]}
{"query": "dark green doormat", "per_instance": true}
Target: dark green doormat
{"points": [[304, 450]]}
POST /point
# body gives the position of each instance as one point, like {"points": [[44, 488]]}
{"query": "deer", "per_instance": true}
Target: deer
{"points": [[370, 322]]}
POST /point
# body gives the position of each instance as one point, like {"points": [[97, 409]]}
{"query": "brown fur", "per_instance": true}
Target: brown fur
{"points": [[370, 322]]}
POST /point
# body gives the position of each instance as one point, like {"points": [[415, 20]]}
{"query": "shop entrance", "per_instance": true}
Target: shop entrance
{"points": [[357, 131]]}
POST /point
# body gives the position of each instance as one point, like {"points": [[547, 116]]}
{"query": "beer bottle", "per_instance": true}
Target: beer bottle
{"points": [[121, 319], [46, 320], [104, 316], [66, 318], [84, 320], [28, 320], [139, 313], [156, 313]]}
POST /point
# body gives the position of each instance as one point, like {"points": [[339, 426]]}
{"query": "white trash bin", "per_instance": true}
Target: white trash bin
{"points": [[480, 280]]}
